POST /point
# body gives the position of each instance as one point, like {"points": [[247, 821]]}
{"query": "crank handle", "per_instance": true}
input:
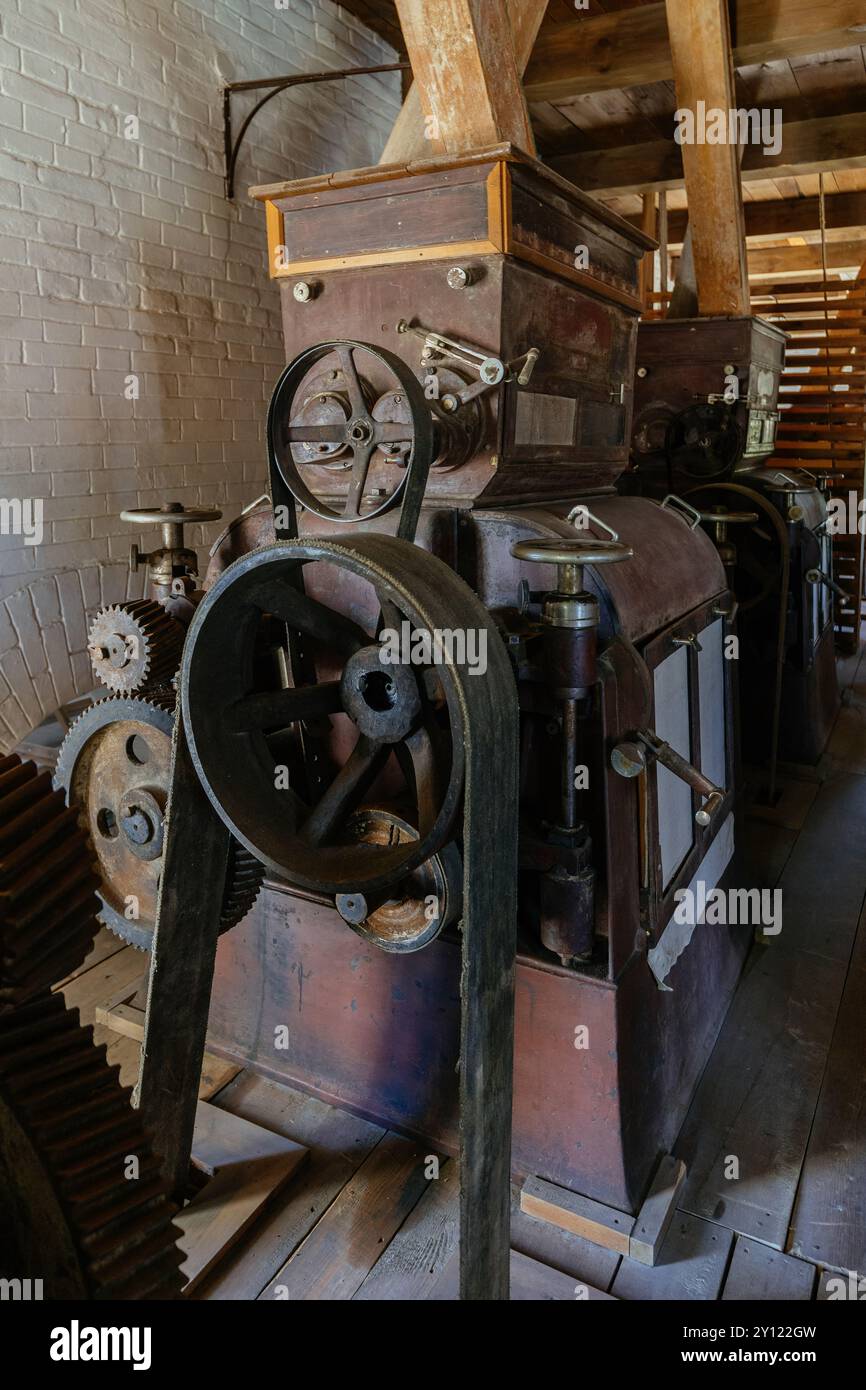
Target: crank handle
{"points": [[630, 759], [819, 577]]}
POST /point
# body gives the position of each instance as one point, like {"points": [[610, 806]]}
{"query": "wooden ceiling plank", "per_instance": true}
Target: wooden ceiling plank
{"points": [[701, 53], [627, 48], [413, 134], [825, 143], [787, 216]]}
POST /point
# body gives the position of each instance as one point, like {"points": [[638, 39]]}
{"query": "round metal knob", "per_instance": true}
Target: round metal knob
{"points": [[558, 551]]}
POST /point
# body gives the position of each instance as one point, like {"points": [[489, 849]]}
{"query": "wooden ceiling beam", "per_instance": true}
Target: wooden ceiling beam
{"points": [[408, 139], [701, 52], [808, 147], [788, 260], [630, 48], [463, 60], [784, 217]]}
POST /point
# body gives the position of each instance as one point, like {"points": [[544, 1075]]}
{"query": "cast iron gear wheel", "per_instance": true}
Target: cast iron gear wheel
{"points": [[135, 644], [114, 767], [71, 1212], [47, 885]]}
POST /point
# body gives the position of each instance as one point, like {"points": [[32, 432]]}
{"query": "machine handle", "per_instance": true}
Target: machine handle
{"points": [[817, 576], [689, 513], [583, 510], [630, 757]]}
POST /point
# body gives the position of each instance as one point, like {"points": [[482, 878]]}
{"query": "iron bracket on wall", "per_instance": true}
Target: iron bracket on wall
{"points": [[271, 86]]}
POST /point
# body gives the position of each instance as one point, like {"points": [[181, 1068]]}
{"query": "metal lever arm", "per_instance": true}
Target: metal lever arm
{"points": [[629, 759], [817, 576]]}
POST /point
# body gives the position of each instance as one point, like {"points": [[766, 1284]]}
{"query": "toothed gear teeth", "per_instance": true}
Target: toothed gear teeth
{"points": [[70, 1213], [121, 799], [135, 645]]}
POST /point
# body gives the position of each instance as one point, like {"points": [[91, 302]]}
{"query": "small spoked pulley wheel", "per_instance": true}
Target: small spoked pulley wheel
{"points": [[378, 717], [327, 412]]}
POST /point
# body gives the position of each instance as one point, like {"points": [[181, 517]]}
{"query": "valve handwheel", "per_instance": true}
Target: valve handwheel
{"points": [[359, 432]]}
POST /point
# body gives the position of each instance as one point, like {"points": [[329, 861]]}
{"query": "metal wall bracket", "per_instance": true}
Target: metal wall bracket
{"points": [[271, 86]]}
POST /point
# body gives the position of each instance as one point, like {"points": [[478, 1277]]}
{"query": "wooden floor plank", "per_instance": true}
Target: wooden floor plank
{"points": [[758, 1273], [531, 1282], [102, 980], [105, 944], [823, 883], [691, 1264], [412, 1263], [829, 1222], [341, 1249], [338, 1143], [746, 1131], [247, 1166]]}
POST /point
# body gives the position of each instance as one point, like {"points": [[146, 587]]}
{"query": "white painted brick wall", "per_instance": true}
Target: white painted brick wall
{"points": [[122, 256]]}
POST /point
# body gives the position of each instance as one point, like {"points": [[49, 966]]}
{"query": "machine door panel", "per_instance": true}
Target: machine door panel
{"points": [[693, 712], [673, 724]]}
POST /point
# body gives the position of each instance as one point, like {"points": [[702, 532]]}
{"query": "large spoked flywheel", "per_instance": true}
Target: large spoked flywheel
{"points": [[377, 732]]}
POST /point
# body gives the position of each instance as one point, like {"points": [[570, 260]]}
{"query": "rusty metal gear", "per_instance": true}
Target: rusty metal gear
{"points": [[47, 884], [82, 1204], [114, 767], [135, 645]]}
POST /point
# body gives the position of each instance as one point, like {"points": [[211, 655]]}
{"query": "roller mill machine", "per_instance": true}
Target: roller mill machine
{"points": [[444, 444], [707, 406]]}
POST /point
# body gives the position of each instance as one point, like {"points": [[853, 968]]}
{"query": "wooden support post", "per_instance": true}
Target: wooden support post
{"points": [[647, 265], [703, 71], [664, 269], [182, 962], [468, 57]]}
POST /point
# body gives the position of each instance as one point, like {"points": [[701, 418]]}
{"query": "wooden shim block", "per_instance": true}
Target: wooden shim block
{"points": [[342, 1248], [123, 1019], [692, 1264], [247, 1165], [583, 1261], [415, 1258], [758, 1273], [657, 1211], [579, 1215], [757, 1097], [215, 1074]]}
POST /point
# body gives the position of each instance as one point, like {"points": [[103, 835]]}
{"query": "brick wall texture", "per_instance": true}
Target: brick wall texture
{"points": [[121, 258]]}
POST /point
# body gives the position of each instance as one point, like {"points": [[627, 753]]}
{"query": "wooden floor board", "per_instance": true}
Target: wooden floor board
{"points": [[758, 1273], [341, 1249], [829, 1222], [823, 883], [338, 1143], [746, 1132], [411, 1265], [692, 1264]]}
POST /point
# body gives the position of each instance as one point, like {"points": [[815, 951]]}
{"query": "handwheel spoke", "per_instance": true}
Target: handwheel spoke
{"points": [[348, 786], [307, 615], [353, 381], [386, 432], [315, 434], [419, 746], [277, 709], [358, 481]]}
